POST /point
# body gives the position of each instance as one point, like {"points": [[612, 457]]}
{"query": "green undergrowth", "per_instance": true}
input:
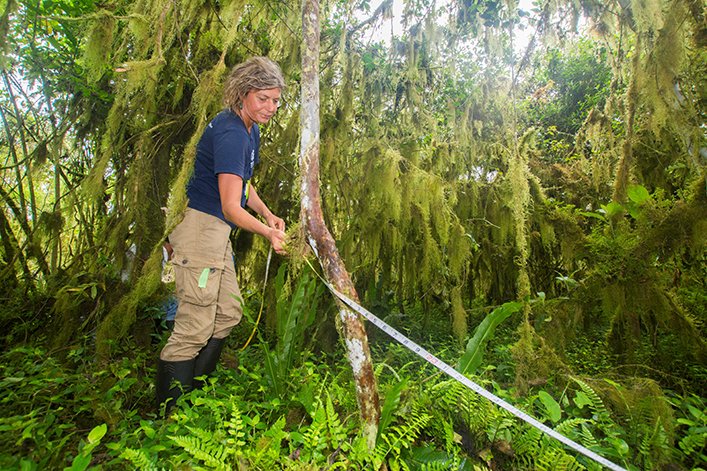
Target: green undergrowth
{"points": [[81, 415]]}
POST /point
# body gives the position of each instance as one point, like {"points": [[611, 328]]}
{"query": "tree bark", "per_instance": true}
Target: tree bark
{"points": [[350, 325]]}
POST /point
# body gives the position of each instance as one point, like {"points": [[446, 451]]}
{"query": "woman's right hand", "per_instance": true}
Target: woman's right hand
{"points": [[278, 239]]}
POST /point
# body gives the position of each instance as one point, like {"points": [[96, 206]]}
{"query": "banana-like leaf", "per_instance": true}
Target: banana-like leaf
{"points": [[471, 359], [390, 405], [553, 409]]}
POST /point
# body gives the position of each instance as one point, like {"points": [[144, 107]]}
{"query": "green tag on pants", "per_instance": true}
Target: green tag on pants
{"points": [[204, 278]]}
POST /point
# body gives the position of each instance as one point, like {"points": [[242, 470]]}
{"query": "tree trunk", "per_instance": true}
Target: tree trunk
{"points": [[350, 325]]}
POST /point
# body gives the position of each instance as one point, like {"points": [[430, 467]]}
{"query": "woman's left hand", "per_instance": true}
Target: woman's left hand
{"points": [[275, 222]]}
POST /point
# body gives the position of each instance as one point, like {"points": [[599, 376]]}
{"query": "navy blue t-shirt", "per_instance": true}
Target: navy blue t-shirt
{"points": [[225, 147]]}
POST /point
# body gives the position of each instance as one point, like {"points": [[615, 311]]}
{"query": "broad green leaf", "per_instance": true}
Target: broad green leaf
{"points": [[593, 215], [271, 369], [619, 445], [80, 463], [696, 412], [638, 194], [390, 405], [294, 316], [612, 209], [149, 432], [554, 411], [97, 433], [471, 359], [581, 400]]}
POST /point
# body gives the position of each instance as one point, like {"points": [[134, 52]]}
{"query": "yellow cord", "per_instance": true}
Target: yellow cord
{"points": [[262, 301]]}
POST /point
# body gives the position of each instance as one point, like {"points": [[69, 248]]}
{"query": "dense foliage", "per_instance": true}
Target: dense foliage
{"points": [[535, 215]]}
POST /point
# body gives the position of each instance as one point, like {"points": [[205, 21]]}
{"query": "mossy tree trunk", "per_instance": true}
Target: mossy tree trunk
{"points": [[350, 325]]}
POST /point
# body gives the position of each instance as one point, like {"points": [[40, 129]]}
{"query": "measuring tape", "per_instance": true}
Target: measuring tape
{"points": [[445, 368]]}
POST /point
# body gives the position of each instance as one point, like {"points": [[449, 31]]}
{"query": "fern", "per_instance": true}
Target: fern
{"points": [[556, 460], [390, 405], [209, 453], [398, 438], [449, 435], [595, 403], [654, 447], [336, 433], [268, 448], [315, 436], [527, 442], [139, 459], [201, 434], [500, 427], [234, 429], [566, 426], [456, 399], [587, 438], [434, 467], [214, 406], [296, 311]]}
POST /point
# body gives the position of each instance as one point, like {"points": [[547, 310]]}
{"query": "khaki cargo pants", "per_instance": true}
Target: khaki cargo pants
{"points": [[206, 285]]}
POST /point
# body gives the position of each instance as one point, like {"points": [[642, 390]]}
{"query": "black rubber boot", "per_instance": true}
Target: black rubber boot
{"points": [[207, 359], [169, 372]]}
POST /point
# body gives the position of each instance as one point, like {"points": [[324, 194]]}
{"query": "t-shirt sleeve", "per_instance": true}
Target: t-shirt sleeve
{"points": [[230, 149]]}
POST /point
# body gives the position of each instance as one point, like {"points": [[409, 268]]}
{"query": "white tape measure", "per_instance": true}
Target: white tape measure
{"points": [[445, 368]]}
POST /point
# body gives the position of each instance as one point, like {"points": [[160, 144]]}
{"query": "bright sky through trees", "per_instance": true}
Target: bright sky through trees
{"points": [[383, 30]]}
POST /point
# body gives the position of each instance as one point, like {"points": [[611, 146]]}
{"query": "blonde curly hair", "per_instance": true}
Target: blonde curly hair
{"points": [[256, 73]]}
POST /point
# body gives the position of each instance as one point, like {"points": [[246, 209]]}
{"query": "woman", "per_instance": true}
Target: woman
{"points": [[218, 193]]}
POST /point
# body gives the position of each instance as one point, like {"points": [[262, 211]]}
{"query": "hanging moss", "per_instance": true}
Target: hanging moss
{"points": [[459, 324], [123, 315], [96, 52], [518, 179], [535, 361], [658, 78], [647, 15]]}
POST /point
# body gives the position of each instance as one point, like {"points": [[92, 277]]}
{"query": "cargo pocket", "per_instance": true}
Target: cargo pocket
{"points": [[197, 282]]}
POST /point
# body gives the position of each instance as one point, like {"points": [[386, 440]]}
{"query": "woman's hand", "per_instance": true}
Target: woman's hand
{"points": [[278, 239], [275, 222]]}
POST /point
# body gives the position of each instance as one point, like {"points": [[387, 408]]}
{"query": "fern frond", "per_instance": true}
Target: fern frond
{"points": [[139, 459], [235, 428], [209, 453], [461, 403], [654, 446], [215, 406], [400, 437], [437, 466], [527, 442], [556, 460], [586, 438], [391, 403], [268, 447], [499, 426], [566, 426], [596, 404], [336, 433], [200, 433], [315, 440]]}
